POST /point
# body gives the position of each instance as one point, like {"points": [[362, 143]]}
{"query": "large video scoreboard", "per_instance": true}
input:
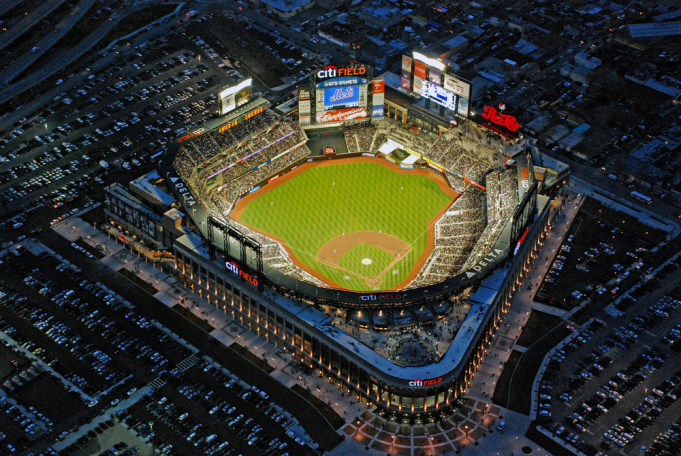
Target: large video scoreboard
{"points": [[428, 77], [341, 93]]}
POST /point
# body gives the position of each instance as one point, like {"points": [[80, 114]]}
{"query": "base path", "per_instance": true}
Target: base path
{"points": [[332, 252], [438, 178]]}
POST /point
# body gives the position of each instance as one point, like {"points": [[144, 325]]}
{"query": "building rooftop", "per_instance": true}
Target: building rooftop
{"points": [[657, 29], [174, 214], [286, 6], [155, 195], [124, 195]]}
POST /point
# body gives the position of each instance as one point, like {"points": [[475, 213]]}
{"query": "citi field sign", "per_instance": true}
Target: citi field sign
{"points": [[332, 71], [431, 382], [234, 269]]}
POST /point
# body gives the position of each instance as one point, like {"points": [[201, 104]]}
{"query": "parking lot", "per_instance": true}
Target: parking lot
{"points": [[76, 138], [597, 261], [612, 389], [96, 352]]}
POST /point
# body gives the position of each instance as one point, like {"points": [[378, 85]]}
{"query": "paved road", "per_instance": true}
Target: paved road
{"points": [[63, 59], [28, 21], [29, 58], [596, 174], [7, 5]]}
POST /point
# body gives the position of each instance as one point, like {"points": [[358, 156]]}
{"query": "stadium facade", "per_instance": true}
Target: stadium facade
{"points": [[248, 277]]}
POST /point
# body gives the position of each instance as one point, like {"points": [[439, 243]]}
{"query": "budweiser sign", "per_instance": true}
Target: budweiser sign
{"points": [[342, 114], [505, 120], [342, 94]]}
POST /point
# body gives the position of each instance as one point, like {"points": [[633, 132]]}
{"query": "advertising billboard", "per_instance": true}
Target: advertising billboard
{"points": [[347, 97], [420, 69], [304, 94], [463, 106], [406, 80], [338, 115], [235, 96], [319, 100], [439, 95], [379, 92], [435, 76], [363, 95], [457, 86], [418, 85], [333, 72], [429, 61], [406, 63], [304, 106], [342, 82]]}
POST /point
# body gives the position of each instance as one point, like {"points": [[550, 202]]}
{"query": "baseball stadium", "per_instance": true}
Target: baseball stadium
{"points": [[382, 255], [353, 219]]}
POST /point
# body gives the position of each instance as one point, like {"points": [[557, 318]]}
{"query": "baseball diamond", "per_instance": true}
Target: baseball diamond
{"points": [[357, 223]]}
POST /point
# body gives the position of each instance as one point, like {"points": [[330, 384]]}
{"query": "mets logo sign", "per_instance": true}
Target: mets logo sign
{"points": [[342, 94]]}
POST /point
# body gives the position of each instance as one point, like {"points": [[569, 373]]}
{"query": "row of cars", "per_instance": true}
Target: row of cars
{"points": [[232, 413], [32, 423], [621, 382], [68, 128], [643, 415]]}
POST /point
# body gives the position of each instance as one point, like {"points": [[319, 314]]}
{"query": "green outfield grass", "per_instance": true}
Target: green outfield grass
{"points": [[326, 201]]}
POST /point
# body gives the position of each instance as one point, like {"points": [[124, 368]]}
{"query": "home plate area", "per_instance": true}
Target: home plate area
{"points": [[365, 254]]}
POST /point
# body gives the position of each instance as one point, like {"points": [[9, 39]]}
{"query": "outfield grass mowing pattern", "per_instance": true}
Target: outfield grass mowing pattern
{"points": [[326, 201]]}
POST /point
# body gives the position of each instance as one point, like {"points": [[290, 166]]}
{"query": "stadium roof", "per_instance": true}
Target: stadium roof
{"points": [[651, 30]]}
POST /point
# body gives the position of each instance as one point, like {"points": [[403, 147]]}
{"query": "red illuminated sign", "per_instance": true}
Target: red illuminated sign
{"points": [[234, 269], [337, 115], [197, 132], [329, 150], [420, 69], [520, 241], [505, 120], [419, 382], [332, 71], [379, 86]]}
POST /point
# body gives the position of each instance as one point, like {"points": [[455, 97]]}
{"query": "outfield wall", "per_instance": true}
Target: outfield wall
{"points": [[316, 158], [290, 286]]}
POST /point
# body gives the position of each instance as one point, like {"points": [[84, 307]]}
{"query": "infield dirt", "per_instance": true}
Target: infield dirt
{"points": [[435, 177]]}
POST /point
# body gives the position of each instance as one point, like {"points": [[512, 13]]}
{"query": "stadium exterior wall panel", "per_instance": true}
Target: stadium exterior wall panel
{"points": [[261, 313]]}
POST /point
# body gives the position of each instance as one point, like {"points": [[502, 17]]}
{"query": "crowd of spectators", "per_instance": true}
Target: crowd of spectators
{"points": [[502, 195], [255, 150], [408, 138], [200, 150], [454, 158], [456, 234], [361, 138]]}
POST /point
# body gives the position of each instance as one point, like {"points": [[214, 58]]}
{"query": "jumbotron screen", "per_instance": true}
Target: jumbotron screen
{"points": [[341, 97], [235, 96]]}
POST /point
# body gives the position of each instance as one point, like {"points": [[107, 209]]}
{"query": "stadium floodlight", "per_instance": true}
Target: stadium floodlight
{"points": [[429, 61], [234, 89]]}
